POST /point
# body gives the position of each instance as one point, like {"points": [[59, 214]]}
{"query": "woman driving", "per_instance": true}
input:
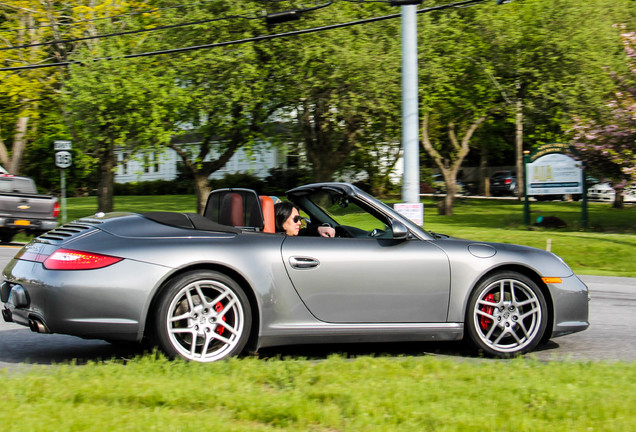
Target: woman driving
{"points": [[288, 221]]}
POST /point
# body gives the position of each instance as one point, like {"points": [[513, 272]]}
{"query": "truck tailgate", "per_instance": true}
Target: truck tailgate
{"points": [[27, 206]]}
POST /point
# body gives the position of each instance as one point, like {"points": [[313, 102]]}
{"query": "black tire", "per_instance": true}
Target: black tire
{"points": [[6, 236], [202, 316], [510, 324]]}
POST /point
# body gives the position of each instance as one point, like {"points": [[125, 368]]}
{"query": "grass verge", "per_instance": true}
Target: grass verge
{"points": [[337, 394]]}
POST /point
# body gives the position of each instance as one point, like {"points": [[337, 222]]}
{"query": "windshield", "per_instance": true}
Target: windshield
{"points": [[17, 185], [351, 211], [338, 210]]}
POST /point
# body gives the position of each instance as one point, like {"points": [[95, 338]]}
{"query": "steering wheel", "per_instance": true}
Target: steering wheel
{"points": [[342, 232]]}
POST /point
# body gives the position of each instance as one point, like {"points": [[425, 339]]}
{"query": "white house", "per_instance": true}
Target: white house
{"points": [[153, 165]]}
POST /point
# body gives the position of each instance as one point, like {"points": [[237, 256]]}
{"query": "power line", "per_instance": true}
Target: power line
{"points": [[164, 27], [294, 14], [368, 1], [252, 39], [138, 12], [149, 11], [54, 42]]}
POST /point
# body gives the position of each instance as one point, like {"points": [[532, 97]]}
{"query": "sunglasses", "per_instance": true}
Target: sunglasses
{"points": [[296, 219]]}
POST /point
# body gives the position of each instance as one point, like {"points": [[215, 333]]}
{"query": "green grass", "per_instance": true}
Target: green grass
{"points": [[337, 394], [605, 248], [87, 206]]}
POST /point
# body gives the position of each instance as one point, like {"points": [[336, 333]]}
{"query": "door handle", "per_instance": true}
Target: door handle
{"points": [[303, 262]]}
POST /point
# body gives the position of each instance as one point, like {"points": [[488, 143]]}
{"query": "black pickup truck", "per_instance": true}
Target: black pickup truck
{"points": [[23, 209]]}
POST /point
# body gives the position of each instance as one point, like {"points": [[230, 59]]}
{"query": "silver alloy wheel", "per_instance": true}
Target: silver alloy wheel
{"points": [[205, 321], [508, 315]]}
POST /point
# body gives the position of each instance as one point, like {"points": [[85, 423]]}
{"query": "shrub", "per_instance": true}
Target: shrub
{"points": [[156, 187], [238, 180]]}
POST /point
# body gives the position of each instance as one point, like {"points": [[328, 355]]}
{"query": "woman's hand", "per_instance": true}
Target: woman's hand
{"points": [[326, 231]]}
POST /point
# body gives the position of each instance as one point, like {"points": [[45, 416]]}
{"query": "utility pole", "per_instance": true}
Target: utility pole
{"points": [[410, 117]]}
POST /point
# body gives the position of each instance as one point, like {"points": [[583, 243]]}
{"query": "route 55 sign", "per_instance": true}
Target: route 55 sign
{"points": [[63, 157]]}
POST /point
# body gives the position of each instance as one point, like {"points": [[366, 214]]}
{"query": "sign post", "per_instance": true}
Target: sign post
{"points": [[63, 160], [526, 198], [550, 170], [584, 199]]}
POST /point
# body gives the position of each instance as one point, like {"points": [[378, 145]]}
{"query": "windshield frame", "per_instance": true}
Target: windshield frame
{"points": [[364, 200]]}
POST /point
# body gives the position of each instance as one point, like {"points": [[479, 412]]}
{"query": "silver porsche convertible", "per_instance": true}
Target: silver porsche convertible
{"points": [[205, 287]]}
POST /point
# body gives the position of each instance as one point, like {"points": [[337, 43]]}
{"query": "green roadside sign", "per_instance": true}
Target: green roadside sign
{"points": [[554, 169]]}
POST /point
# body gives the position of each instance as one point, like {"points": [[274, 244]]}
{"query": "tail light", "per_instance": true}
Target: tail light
{"points": [[65, 259], [56, 209]]}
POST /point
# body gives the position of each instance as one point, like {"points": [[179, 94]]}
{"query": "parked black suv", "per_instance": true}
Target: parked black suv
{"points": [[503, 183]]}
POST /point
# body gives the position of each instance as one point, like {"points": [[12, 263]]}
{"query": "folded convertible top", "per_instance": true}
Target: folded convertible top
{"points": [[189, 221]]}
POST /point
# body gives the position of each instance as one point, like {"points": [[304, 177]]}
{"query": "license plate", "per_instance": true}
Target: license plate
{"points": [[22, 222]]}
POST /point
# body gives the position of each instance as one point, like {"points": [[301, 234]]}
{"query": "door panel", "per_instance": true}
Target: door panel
{"points": [[349, 280]]}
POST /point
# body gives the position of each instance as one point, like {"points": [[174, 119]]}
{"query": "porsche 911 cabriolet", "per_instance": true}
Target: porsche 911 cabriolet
{"points": [[208, 286]]}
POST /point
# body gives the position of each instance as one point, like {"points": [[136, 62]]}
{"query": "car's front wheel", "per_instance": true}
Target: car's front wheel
{"points": [[507, 315], [202, 316]]}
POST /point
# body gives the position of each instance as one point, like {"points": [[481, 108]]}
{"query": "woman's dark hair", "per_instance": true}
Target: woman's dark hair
{"points": [[282, 211]]}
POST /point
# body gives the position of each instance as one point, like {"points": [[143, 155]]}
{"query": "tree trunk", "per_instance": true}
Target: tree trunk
{"points": [[449, 166], [619, 201], [201, 171], [202, 190], [484, 181], [4, 154], [19, 143], [449, 199], [106, 183], [326, 149]]}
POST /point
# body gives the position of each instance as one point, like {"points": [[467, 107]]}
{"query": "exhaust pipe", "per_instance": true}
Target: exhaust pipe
{"points": [[38, 326]]}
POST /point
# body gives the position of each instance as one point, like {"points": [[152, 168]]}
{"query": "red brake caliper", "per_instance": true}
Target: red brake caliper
{"points": [[484, 322], [219, 328]]}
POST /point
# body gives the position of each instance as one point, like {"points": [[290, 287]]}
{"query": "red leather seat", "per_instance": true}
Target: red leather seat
{"points": [[267, 205], [232, 210]]}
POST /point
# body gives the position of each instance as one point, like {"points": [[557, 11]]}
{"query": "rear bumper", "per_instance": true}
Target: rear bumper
{"points": [[28, 224], [109, 303]]}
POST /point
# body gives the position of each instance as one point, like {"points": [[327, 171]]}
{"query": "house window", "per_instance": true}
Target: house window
{"points": [[148, 162], [124, 163]]}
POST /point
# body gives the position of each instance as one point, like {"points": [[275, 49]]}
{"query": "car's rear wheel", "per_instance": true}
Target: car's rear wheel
{"points": [[507, 315], [202, 316], [6, 236]]}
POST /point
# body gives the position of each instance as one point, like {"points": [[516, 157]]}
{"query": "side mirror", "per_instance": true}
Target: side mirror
{"points": [[400, 231]]}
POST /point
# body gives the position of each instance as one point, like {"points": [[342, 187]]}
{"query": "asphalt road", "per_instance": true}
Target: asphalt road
{"points": [[611, 336]]}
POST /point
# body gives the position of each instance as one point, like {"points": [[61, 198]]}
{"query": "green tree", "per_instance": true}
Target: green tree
{"points": [[608, 143], [21, 92], [228, 95], [548, 60], [528, 64], [246, 94], [456, 92], [119, 104], [344, 90], [35, 32]]}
